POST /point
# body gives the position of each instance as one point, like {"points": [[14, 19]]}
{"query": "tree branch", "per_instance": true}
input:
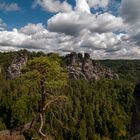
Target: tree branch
{"points": [[41, 126]]}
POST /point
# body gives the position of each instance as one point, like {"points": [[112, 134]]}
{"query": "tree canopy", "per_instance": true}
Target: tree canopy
{"points": [[44, 103]]}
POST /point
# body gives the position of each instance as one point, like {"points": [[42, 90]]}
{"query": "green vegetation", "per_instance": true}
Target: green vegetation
{"points": [[71, 109], [127, 69]]}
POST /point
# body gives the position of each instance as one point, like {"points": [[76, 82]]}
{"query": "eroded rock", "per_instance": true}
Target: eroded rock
{"points": [[14, 70], [80, 67]]}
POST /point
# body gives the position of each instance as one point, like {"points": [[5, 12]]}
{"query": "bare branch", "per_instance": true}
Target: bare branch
{"points": [[55, 99], [41, 126]]}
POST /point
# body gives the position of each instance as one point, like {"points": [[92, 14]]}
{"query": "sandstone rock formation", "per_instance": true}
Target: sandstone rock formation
{"points": [[14, 70], [80, 67], [135, 122]]}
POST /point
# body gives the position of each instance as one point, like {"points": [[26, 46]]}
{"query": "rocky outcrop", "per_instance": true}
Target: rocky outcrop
{"points": [[77, 65], [14, 70], [80, 67], [135, 122]]}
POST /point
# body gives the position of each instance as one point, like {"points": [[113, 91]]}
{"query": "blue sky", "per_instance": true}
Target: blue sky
{"points": [[107, 29], [27, 14]]}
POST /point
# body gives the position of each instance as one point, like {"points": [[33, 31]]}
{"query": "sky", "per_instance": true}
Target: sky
{"points": [[106, 29]]}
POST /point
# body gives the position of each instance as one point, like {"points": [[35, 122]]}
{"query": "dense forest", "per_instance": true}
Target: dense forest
{"points": [[127, 69], [58, 108]]}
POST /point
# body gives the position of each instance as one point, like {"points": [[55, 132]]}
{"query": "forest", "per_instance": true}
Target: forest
{"points": [[58, 108]]}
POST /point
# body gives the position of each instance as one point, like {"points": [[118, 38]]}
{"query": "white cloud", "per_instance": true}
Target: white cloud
{"points": [[105, 41], [58, 6], [130, 11], [37, 38], [102, 35], [53, 5], [99, 45], [9, 7], [68, 23], [31, 29], [12, 38], [82, 6], [105, 23], [74, 22]]}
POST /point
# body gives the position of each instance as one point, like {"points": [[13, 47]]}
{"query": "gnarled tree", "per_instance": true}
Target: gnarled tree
{"points": [[41, 77]]}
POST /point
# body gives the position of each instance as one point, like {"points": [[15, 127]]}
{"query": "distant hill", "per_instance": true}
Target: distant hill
{"points": [[126, 69]]}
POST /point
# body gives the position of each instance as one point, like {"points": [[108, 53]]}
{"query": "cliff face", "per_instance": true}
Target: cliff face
{"points": [[14, 70], [80, 67], [135, 122]]}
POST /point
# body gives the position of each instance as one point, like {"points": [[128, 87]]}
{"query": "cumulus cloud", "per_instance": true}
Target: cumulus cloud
{"points": [[82, 6], [74, 22], [53, 5], [130, 12], [9, 7], [103, 35], [31, 29], [11, 38], [68, 23], [105, 23], [39, 38], [100, 41], [58, 6]]}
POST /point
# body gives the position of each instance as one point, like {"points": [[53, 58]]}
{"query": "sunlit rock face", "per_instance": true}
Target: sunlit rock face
{"points": [[80, 67], [14, 70], [135, 122]]}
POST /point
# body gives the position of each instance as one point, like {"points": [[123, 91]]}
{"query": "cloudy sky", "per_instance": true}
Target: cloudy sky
{"points": [[107, 29]]}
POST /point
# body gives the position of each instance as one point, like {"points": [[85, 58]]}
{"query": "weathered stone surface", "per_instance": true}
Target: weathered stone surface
{"points": [[135, 122], [80, 67], [77, 65], [14, 70]]}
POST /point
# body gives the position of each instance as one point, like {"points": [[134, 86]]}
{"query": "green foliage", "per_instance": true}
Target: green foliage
{"points": [[47, 69], [101, 111], [95, 110], [127, 69]]}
